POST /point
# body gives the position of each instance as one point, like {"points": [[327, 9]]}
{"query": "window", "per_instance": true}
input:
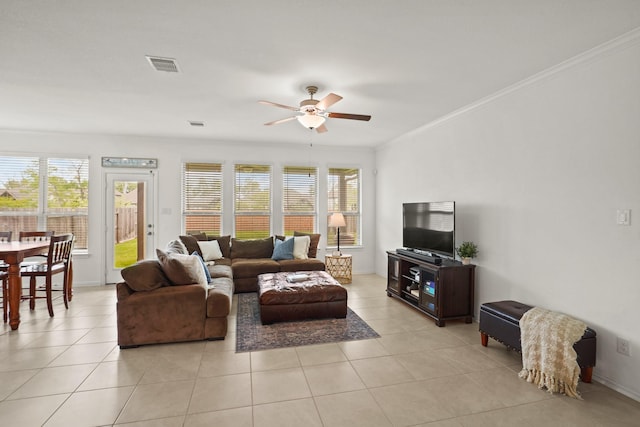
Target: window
{"points": [[344, 196], [252, 197], [38, 193], [202, 197], [299, 199]]}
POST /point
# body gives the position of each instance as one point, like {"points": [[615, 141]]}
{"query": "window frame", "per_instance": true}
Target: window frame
{"points": [[43, 212]]}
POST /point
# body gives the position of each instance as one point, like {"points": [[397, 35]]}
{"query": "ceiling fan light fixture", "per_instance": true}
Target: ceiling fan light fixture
{"points": [[311, 121]]}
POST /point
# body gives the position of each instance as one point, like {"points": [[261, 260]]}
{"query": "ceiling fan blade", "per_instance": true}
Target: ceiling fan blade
{"points": [[277, 122], [279, 105], [349, 116], [328, 101], [322, 129]]}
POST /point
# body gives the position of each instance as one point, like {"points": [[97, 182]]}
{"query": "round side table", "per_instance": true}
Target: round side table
{"points": [[339, 267]]}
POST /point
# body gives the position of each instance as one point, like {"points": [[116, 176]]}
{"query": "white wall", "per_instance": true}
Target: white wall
{"points": [[537, 174], [89, 269]]}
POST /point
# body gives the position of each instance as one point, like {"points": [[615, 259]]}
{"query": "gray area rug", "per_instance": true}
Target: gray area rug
{"points": [[252, 335]]}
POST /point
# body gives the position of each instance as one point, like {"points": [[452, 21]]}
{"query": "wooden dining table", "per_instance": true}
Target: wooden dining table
{"points": [[13, 253]]}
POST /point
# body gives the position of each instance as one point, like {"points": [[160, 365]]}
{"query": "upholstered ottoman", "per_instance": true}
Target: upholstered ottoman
{"points": [[311, 295], [500, 320]]}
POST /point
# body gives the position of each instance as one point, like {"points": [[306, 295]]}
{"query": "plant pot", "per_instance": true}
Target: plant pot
{"points": [[466, 261]]}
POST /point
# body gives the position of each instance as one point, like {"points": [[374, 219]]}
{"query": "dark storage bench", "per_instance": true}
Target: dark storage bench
{"points": [[501, 321]]}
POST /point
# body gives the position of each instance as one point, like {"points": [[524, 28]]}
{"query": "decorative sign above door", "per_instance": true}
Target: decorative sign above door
{"points": [[128, 162]]}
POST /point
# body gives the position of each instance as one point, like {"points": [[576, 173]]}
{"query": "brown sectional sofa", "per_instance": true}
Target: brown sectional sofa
{"points": [[153, 309]]}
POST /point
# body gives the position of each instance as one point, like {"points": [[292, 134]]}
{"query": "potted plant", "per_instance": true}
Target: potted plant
{"points": [[466, 251]]}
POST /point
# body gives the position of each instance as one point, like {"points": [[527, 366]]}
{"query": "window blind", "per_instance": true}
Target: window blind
{"points": [[202, 197], [299, 199], [252, 201]]}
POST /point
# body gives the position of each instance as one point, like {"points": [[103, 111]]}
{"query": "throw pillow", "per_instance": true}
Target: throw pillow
{"points": [[225, 244], [176, 247], [210, 250], [181, 269], [204, 267], [283, 250], [191, 243], [145, 275], [301, 247], [313, 246]]}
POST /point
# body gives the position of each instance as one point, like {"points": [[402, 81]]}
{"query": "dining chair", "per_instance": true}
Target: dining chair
{"points": [[35, 236], [5, 236], [58, 259]]}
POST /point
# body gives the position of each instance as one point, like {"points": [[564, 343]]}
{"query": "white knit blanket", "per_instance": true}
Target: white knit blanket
{"points": [[548, 357]]}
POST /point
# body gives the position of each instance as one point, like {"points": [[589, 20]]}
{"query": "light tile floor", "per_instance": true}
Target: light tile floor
{"points": [[68, 371]]}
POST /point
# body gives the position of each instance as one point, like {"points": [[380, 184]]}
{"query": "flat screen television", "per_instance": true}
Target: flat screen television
{"points": [[430, 227]]}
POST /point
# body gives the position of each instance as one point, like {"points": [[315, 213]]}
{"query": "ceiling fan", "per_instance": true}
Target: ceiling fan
{"points": [[312, 113]]}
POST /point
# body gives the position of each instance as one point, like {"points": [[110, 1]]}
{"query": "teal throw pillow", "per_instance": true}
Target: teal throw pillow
{"points": [[204, 266], [283, 250]]}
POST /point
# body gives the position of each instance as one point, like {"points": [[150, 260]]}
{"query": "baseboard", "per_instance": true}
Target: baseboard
{"points": [[615, 386]]}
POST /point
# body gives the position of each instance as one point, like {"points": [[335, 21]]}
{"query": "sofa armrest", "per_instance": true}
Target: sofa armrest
{"points": [[167, 314], [123, 291]]}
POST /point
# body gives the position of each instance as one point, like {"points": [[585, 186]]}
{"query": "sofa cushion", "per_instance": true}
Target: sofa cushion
{"points": [[257, 248], [219, 297], [199, 235], [220, 270], [181, 269], [283, 249], [223, 261], [313, 245], [252, 267], [210, 250], [191, 244], [145, 275]]}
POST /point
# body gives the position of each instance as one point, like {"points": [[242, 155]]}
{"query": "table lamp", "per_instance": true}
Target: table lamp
{"points": [[337, 220]]}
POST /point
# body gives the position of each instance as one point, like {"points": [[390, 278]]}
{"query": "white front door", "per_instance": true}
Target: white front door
{"points": [[130, 225]]}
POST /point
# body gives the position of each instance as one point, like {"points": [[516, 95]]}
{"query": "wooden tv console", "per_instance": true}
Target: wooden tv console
{"points": [[442, 292]]}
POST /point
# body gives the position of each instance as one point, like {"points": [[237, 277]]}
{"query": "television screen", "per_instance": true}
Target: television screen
{"points": [[429, 226]]}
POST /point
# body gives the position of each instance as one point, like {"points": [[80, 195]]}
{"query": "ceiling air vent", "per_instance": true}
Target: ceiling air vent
{"points": [[193, 123], [163, 64]]}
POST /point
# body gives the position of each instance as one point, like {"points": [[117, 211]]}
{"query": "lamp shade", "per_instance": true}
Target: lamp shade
{"points": [[337, 220], [311, 121]]}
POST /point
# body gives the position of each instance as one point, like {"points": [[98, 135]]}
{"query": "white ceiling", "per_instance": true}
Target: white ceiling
{"points": [[80, 66]]}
